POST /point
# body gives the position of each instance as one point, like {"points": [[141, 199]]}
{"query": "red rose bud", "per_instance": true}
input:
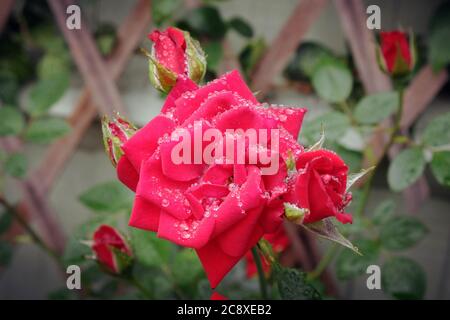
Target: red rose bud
{"points": [[174, 53], [116, 132], [111, 249], [396, 53]]}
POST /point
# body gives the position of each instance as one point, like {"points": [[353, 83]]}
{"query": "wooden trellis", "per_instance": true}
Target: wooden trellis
{"points": [[101, 96]]}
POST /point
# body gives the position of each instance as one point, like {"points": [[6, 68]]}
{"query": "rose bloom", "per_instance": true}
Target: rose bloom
{"points": [[110, 249], [320, 186], [221, 210], [397, 56]]}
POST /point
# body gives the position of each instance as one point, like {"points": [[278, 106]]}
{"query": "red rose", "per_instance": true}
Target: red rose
{"points": [[397, 53], [175, 53], [279, 241], [319, 186], [110, 249], [217, 296], [218, 208]]}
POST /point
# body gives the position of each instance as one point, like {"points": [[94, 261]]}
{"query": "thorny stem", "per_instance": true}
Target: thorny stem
{"points": [[10, 209], [331, 252], [261, 274]]}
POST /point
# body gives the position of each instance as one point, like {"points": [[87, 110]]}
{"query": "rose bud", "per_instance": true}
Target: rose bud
{"points": [[396, 53], [111, 250], [174, 53], [116, 132], [318, 188]]}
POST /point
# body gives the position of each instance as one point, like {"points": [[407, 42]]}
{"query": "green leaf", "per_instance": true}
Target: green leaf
{"points": [[241, 26], [349, 265], [53, 65], [308, 57], [334, 123], [326, 229], [106, 38], [333, 82], [437, 131], [6, 220], [16, 165], [403, 278], [440, 166], [163, 10], [107, 197], [406, 168], [376, 107], [186, 267], [251, 54], [292, 285], [46, 92], [206, 21], [6, 253], [11, 121], [439, 33], [402, 232], [383, 212], [47, 129], [150, 250], [214, 52]]}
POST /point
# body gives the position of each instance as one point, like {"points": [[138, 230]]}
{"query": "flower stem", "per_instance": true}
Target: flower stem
{"points": [[132, 280], [261, 274], [324, 262], [367, 186], [329, 255], [10, 209]]}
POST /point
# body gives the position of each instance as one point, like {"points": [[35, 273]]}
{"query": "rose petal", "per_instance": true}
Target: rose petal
{"points": [[145, 215], [127, 174], [188, 233], [142, 145], [158, 189], [188, 103]]}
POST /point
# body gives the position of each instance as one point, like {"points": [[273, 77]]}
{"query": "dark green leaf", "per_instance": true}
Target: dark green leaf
{"points": [[11, 121], [163, 10], [383, 212], [109, 197], [206, 21], [6, 253], [46, 130], [292, 285], [241, 26], [376, 107], [150, 250], [16, 165], [333, 82], [46, 92], [440, 166], [251, 55], [406, 168], [308, 58], [349, 264], [6, 220], [439, 33], [403, 278], [402, 232], [437, 131], [213, 50]]}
